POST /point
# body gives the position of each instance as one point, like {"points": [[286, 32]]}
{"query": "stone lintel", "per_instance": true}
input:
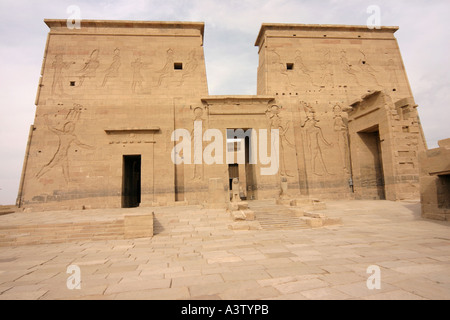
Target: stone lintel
{"points": [[238, 99], [237, 105]]}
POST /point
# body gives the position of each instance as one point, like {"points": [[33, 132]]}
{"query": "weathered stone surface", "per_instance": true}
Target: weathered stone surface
{"points": [[138, 226], [444, 143], [217, 197], [284, 202], [238, 215], [109, 101], [327, 263]]}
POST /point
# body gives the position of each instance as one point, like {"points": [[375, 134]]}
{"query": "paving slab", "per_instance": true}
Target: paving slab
{"points": [[301, 285], [205, 260], [181, 293], [198, 290], [193, 280], [138, 286], [325, 294]]}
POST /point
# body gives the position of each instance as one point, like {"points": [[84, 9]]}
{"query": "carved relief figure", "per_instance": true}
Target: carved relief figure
{"points": [[137, 65], [282, 69], [190, 66], [393, 79], [90, 67], [113, 70], [327, 77], [367, 68], [315, 139], [198, 147], [273, 114], [347, 67], [303, 69], [341, 129], [66, 138], [168, 67], [59, 64]]}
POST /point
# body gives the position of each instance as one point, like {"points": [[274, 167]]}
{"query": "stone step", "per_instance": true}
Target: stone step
{"points": [[277, 217], [273, 216], [193, 220], [7, 210], [42, 234], [125, 226], [285, 226], [280, 220]]}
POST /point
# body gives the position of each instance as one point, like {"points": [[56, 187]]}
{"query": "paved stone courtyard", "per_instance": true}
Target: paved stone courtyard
{"points": [[194, 255]]}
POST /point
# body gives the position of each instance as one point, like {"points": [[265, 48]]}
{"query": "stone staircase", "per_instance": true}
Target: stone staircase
{"points": [[196, 220], [300, 214], [22, 228], [277, 217], [193, 220]]}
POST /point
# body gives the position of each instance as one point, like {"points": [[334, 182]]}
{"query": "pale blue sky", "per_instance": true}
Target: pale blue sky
{"points": [[231, 58]]}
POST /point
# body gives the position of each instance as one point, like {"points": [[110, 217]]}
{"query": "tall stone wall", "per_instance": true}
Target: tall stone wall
{"points": [[107, 90], [112, 93], [317, 72]]}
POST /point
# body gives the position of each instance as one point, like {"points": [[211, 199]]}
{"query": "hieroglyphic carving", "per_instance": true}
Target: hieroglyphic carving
{"points": [[138, 79], [113, 70], [347, 67], [327, 77], [90, 67], [59, 64], [273, 114], [190, 66], [341, 128], [300, 65], [66, 137], [168, 66], [314, 138]]}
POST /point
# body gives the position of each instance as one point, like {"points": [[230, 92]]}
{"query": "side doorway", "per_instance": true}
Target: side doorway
{"points": [[131, 181]]}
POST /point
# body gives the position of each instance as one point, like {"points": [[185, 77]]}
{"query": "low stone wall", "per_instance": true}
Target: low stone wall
{"points": [[435, 182], [122, 226]]}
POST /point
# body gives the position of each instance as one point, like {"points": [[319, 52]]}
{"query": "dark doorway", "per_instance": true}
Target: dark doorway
{"points": [[443, 193], [372, 175], [250, 177], [131, 181], [239, 142]]}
